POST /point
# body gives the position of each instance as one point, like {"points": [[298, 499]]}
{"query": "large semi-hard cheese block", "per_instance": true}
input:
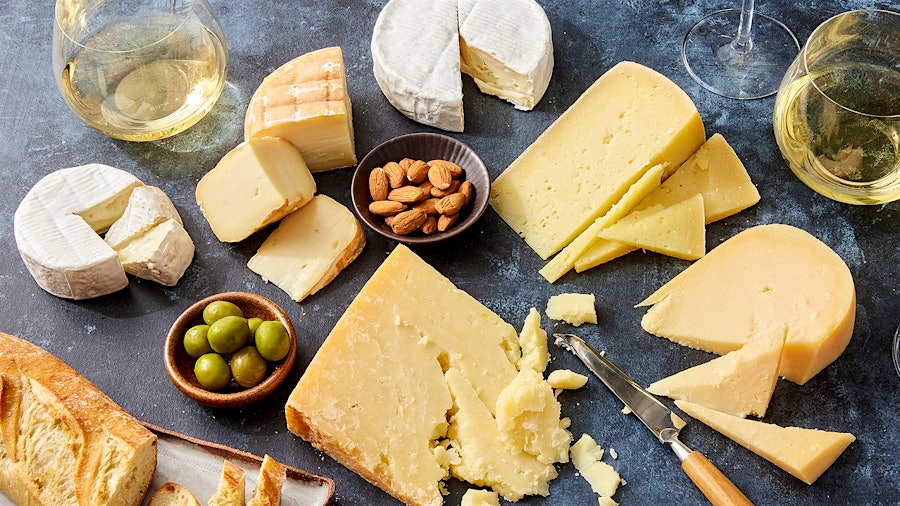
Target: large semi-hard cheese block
{"points": [[804, 453], [678, 231], [310, 247], [305, 101], [763, 279], [740, 382], [629, 120], [404, 391], [253, 185]]}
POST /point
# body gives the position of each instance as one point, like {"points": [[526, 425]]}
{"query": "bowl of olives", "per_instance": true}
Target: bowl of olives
{"points": [[230, 350]]}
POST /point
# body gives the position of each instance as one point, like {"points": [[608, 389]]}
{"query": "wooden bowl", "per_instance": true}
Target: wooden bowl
{"points": [[180, 366], [426, 147]]}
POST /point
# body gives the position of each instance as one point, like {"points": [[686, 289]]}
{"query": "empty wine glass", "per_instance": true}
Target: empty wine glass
{"points": [[738, 53]]}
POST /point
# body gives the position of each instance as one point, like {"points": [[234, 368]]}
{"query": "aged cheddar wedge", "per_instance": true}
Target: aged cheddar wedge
{"points": [[740, 382], [678, 231], [804, 453], [764, 278], [305, 102], [310, 247], [255, 184], [587, 159]]}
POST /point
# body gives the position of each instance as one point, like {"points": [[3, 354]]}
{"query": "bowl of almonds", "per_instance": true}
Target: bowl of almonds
{"points": [[421, 188]]}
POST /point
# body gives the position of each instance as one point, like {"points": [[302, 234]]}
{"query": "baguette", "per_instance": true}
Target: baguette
{"points": [[268, 488], [173, 494], [232, 487], [62, 441]]}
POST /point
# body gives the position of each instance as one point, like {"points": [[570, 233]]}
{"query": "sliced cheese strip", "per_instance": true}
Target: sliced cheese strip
{"points": [[254, 185], [310, 247], [147, 206], [602, 251], [161, 254], [804, 453], [678, 230], [740, 382], [587, 159], [533, 342], [305, 101], [764, 278]]}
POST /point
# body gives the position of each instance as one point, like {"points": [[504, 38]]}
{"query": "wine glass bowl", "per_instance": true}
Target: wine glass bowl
{"points": [[139, 70], [837, 114]]}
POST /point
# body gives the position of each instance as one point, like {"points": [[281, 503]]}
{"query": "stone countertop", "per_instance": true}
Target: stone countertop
{"points": [[116, 340]]}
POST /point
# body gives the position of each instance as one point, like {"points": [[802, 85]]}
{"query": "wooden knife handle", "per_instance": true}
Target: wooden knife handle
{"points": [[714, 485]]}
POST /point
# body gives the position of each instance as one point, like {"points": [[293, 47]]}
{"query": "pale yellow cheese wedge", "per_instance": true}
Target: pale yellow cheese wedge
{"points": [[310, 247], [762, 279], [305, 101], [678, 230], [254, 185], [740, 382], [581, 165], [804, 453], [533, 342]]}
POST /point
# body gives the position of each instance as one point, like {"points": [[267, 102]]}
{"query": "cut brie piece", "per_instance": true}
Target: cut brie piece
{"points": [[507, 48], [309, 248], [147, 206], [678, 230], [253, 185], [305, 101], [804, 453], [161, 254]]}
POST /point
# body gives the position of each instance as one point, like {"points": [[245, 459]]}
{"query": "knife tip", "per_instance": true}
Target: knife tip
{"points": [[564, 341]]}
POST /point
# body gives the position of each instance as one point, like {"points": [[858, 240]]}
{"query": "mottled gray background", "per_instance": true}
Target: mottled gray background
{"points": [[116, 341]]}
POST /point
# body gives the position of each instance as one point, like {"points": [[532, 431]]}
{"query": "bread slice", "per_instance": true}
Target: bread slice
{"points": [[232, 487], [61, 438], [173, 494], [268, 487]]}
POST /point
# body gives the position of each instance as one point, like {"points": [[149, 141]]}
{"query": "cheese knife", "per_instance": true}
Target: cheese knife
{"points": [[665, 424]]}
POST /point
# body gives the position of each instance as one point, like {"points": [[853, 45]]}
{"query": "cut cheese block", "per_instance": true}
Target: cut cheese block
{"points": [[310, 247], [586, 455], [678, 230], [254, 185], [305, 101], [762, 279], [740, 382], [804, 453], [160, 254], [587, 159], [533, 341], [377, 395], [147, 207], [572, 308]]}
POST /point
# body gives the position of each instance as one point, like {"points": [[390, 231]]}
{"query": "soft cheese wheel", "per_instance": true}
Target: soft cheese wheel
{"points": [[306, 102], [507, 48], [764, 278], [57, 228], [583, 163]]}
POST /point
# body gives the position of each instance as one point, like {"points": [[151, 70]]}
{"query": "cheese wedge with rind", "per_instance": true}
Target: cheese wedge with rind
{"points": [[147, 207], [739, 383], [306, 102], [762, 279], [161, 254], [678, 230], [584, 162], [804, 453]]}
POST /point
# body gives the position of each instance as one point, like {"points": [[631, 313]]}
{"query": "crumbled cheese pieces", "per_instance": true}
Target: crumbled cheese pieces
{"points": [[762, 279], [573, 308], [586, 455], [533, 341], [475, 497], [566, 379]]}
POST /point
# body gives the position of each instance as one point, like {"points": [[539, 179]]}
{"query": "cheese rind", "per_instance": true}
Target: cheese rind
{"points": [[581, 165], [573, 308], [678, 230], [161, 254], [804, 453], [762, 279]]}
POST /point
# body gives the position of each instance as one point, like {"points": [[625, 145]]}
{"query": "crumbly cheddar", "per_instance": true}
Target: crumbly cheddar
{"points": [[586, 455], [533, 341], [527, 404], [476, 497], [566, 379], [573, 308]]}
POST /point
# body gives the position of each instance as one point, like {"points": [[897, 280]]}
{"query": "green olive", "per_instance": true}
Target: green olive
{"points": [[272, 340], [254, 324], [196, 342], [212, 371], [218, 309], [248, 368], [228, 334]]}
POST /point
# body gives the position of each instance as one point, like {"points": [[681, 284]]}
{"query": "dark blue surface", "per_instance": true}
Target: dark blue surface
{"points": [[116, 341]]}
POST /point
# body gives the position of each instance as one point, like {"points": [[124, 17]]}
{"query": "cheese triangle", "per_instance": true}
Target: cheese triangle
{"points": [[804, 453], [739, 383], [678, 230]]}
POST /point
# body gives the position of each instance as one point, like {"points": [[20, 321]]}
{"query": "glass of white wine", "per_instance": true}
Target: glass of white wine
{"points": [[837, 114], [139, 70]]}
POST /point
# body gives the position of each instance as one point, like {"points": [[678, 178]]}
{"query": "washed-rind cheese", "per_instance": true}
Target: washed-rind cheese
{"points": [[306, 102], [587, 159], [310, 247], [763, 279], [804, 453]]}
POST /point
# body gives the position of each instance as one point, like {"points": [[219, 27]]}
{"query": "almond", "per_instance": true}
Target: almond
{"points": [[451, 204], [428, 205], [446, 221], [466, 188], [408, 221], [396, 174], [405, 163], [407, 194], [389, 220], [450, 190], [454, 169], [378, 184], [426, 186], [386, 207], [430, 225], [440, 176], [417, 172]]}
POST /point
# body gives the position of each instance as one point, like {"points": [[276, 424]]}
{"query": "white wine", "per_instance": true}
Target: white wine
{"points": [[839, 130], [144, 77]]}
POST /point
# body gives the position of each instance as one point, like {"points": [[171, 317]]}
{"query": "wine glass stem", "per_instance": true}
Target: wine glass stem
{"points": [[742, 43]]}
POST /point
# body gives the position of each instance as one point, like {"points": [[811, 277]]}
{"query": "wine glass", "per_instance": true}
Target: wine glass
{"points": [[837, 115], [739, 53], [139, 70], [897, 350]]}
